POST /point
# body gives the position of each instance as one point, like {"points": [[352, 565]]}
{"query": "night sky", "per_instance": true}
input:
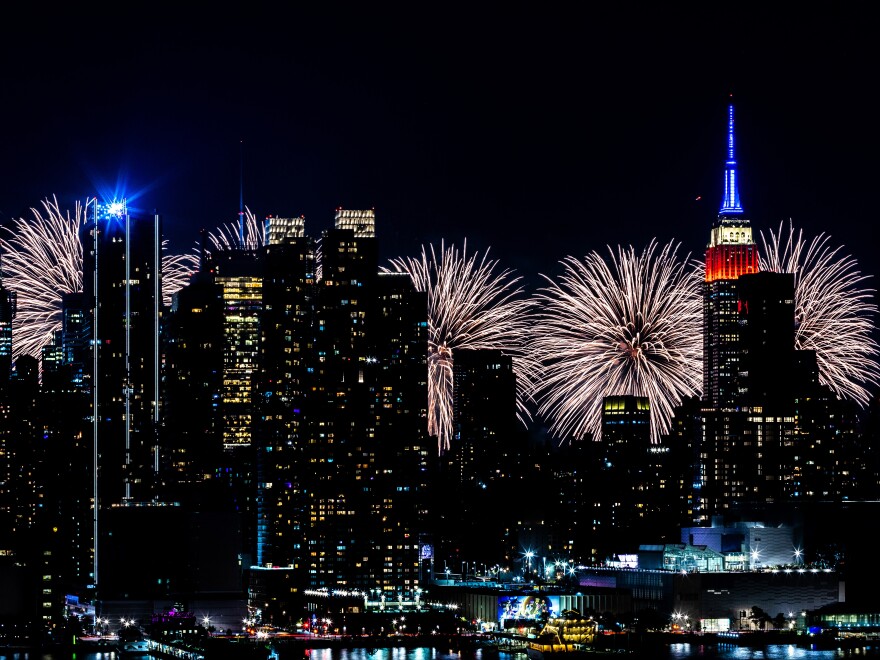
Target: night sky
{"points": [[536, 131]]}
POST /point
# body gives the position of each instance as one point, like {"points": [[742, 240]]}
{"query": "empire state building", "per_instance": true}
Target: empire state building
{"points": [[731, 252]]}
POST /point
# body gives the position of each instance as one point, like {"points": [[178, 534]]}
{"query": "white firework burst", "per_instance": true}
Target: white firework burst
{"points": [[472, 304], [177, 270], [246, 235], [631, 325], [42, 260], [834, 313]]}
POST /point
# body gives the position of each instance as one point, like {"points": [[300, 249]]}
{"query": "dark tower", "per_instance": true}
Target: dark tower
{"points": [[122, 271], [631, 480], [192, 436], [767, 325], [7, 314], [475, 477]]}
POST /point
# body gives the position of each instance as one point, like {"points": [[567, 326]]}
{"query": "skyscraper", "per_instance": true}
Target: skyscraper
{"points": [[731, 252], [120, 262], [364, 458], [284, 379], [240, 274], [475, 474], [767, 327], [7, 314], [122, 267], [191, 420]]}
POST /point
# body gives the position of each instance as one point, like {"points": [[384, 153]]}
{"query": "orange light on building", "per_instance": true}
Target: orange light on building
{"points": [[728, 262]]}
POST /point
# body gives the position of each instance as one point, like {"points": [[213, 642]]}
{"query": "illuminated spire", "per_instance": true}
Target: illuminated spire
{"points": [[730, 205]]}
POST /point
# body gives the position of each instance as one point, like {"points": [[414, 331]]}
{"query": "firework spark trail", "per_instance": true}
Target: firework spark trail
{"points": [[833, 313], [42, 260], [471, 305], [631, 327], [226, 237], [177, 269]]}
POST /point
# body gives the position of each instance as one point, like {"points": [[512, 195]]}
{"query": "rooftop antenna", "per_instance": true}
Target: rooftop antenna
{"points": [[203, 242], [241, 194]]}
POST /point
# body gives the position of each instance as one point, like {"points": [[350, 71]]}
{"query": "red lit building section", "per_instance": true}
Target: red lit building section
{"points": [[728, 262]]}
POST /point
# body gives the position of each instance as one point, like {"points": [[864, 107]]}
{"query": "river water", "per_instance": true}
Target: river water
{"points": [[670, 652]]}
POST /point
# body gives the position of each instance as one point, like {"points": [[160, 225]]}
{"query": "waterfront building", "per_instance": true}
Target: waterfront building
{"points": [[709, 601]]}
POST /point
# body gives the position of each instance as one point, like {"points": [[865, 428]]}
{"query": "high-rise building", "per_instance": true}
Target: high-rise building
{"points": [[191, 421], [7, 314], [634, 493], [284, 382], [766, 337], [475, 474], [240, 274], [363, 467], [122, 279], [731, 252], [362, 223]]}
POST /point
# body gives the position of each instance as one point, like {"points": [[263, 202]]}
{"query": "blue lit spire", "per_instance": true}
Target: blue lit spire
{"points": [[730, 205]]}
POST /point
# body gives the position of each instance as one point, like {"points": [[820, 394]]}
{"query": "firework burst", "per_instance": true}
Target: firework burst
{"points": [[177, 269], [232, 236], [472, 304], [833, 312], [42, 261], [631, 326]]}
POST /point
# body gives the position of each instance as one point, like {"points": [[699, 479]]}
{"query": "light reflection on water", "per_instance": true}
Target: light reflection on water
{"points": [[398, 653], [770, 652], [672, 652]]}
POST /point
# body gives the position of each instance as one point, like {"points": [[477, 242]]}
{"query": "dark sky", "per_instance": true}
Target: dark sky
{"points": [[536, 131]]}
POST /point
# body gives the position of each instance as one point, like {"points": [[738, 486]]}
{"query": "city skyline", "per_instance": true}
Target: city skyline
{"points": [[604, 132], [282, 420], [483, 302]]}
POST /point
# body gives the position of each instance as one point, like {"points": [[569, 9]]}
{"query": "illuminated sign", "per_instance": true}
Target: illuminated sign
{"points": [[527, 607]]}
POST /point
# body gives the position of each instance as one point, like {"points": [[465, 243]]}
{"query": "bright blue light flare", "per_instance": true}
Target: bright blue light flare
{"points": [[116, 209], [730, 204]]}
